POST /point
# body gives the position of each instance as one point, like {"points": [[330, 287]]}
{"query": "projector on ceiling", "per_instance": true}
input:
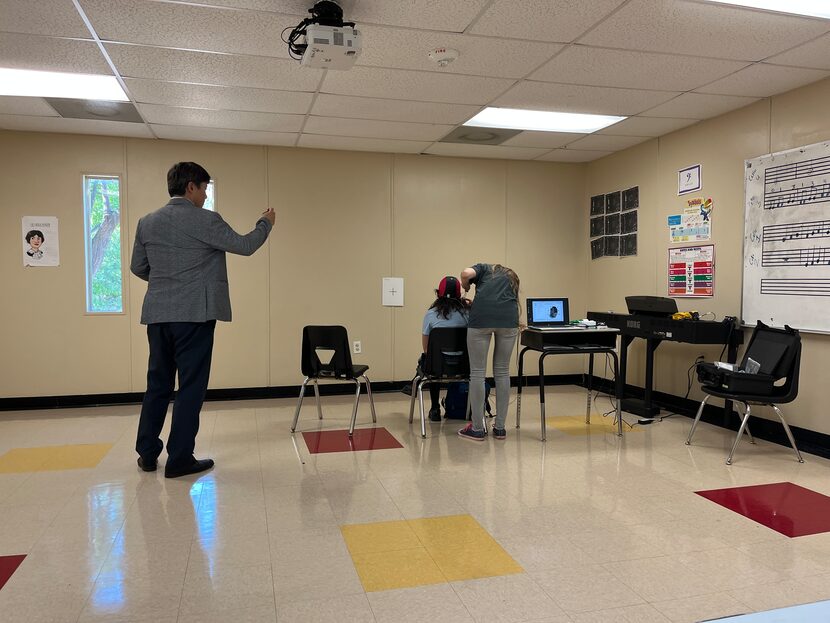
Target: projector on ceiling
{"points": [[330, 47], [324, 40]]}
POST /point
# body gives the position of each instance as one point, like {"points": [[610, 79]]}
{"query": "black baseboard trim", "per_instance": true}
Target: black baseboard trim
{"points": [[808, 441], [238, 393]]}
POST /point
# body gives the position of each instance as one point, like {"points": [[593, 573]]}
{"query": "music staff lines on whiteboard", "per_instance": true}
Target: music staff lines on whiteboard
{"points": [[796, 196], [797, 170], [815, 256], [796, 287], [796, 231]]}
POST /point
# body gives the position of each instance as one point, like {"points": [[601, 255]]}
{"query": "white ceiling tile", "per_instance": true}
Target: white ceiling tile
{"points": [[764, 80], [234, 120], [217, 97], [544, 140], [479, 56], [42, 17], [319, 141], [702, 29], [581, 99], [220, 135], [422, 14], [581, 64], [208, 28], [367, 128], [327, 105], [700, 106], [74, 126], [288, 7], [603, 142], [573, 155], [815, 55], [630, 57], [51, 54], [422, 86], [33, 106], [646, 126], [542, 20], [137, 61], [463, 150]]}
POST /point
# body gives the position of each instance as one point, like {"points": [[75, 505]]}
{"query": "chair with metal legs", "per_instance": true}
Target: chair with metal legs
{"points": [[335, 341], [778, 353], [446, 359]]}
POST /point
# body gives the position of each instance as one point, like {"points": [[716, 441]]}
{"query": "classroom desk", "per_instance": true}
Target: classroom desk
{"points": [[577, 341]]}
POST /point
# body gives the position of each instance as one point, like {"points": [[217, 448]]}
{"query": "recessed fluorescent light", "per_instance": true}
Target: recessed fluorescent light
{"points": [[515, 119], [26, 83], [813, 8]]}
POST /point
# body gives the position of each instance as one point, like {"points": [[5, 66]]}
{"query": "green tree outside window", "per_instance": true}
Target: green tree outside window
{"points": [[102, 225]]}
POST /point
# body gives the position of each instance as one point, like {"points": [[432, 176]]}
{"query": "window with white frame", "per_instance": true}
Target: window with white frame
{"points": [[102, 234], [210, 202]]}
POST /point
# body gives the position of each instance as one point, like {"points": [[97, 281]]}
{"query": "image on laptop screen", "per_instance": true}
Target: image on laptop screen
{"points": [[547, 312]]}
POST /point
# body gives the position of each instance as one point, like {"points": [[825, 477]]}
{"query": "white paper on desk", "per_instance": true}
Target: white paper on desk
{"points": [[392, 289]]}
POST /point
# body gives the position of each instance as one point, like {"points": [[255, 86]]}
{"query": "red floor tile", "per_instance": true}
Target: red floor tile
{"points": [[339, 441], [782, 506], [8, 565]]}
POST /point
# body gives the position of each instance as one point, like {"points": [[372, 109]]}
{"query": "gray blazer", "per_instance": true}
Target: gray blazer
{"points": [[180, 250]]}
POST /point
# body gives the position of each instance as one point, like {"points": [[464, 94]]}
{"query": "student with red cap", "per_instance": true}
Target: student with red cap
{"points": [[448, 310]]}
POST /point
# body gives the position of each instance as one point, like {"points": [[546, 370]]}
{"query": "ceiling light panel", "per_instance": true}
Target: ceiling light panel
{"points": [[27, 83], [542, 121]]}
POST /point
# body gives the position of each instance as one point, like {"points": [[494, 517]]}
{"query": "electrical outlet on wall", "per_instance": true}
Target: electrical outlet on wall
{"points": [[356, 347]]}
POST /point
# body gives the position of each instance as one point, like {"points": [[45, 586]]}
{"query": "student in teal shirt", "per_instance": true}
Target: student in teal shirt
{"points": [[495, 312]]}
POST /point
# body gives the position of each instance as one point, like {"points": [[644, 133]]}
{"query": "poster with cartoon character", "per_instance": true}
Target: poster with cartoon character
{"points": [[40, 241]]}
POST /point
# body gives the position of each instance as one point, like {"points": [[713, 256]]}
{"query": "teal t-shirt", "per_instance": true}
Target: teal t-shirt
{"points": [[495, 305]]}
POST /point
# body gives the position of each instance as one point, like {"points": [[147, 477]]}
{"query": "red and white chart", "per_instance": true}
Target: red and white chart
{"points": [[692, 271]]}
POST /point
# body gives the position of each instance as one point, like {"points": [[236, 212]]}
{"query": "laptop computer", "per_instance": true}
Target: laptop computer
{"points": [[548, 314]]}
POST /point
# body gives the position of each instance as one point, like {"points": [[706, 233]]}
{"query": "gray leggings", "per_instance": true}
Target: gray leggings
{"points": [[478, 343]]}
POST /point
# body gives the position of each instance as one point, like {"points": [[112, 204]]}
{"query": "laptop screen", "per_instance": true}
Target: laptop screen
{"points": [[547, 312]]}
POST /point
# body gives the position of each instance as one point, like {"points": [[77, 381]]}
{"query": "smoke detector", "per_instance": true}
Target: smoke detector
{"points": [[443, 56]]}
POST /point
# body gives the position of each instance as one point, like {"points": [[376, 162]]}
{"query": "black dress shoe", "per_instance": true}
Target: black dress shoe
{"points": [[191, 468], [147, 465], [435, 414]]}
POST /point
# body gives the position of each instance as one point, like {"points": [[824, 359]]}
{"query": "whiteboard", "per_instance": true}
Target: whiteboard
{"points": [[787, 239]]}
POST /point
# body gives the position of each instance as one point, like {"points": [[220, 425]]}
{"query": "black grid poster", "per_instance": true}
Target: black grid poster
{"points": [[613, 225]]}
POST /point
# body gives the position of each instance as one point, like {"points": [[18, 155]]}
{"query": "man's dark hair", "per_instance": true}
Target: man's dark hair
{"points": [[32, 233], [183, 172]]}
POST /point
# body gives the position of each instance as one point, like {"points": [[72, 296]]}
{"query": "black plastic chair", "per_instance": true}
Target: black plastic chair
{"points": [[778, 351], [446, 359], [339, 368]]}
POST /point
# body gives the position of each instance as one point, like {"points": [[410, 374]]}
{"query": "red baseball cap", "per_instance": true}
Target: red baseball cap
{"points": [[449, 288]]}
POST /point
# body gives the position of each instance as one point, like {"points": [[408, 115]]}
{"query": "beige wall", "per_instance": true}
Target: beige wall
{"points": [[344, 221], [720, 145]]}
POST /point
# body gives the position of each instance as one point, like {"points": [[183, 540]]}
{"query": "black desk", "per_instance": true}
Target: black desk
{"points": [[654, 330], [575, 341]]}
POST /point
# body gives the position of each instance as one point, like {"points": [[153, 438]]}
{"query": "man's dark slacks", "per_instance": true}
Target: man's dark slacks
{"points": [[186, 348]]}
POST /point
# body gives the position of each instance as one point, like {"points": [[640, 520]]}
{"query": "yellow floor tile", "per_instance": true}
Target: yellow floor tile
{"points": [[53, 458], [405, 554], [383, 571], [474, 560], [385, 536], [447, 531], [575, 425]]}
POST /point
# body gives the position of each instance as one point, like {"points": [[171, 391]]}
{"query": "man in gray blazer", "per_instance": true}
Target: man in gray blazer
{"points": [[180, 250]]}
